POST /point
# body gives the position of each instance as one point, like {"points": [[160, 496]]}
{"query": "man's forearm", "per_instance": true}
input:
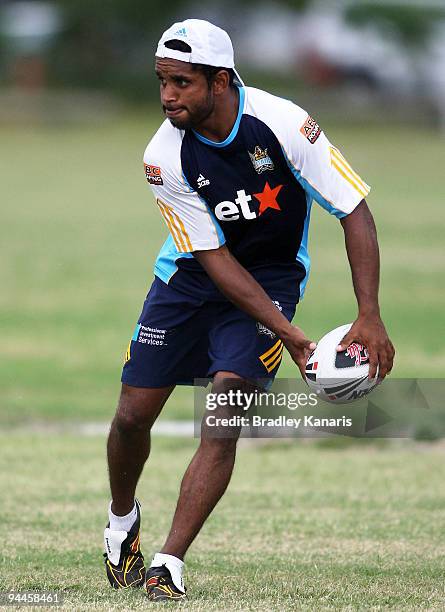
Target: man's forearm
{"points": [[363, 255], [239, 286]]}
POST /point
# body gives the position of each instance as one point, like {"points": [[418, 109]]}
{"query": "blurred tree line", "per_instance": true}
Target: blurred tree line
{"points": [[411, 22], [110, 44]]}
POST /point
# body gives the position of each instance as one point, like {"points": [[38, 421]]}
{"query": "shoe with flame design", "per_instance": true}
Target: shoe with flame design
{"points": [[124, 561], [160, 586]]}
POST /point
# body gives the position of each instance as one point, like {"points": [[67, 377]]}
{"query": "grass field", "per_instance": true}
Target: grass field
{"points": [[80, 233], [301, 527]]}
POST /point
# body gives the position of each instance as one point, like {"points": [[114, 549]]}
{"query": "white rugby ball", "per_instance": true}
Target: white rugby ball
{"points": [[341, 377]]}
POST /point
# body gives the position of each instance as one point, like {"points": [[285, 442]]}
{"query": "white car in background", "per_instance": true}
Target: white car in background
{"points": [[326, 49]]}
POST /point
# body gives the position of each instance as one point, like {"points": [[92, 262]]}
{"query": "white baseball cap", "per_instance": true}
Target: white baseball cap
{"points": [[210, 45]]}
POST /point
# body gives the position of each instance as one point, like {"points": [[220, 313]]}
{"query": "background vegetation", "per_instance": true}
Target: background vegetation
{"points": [[80, 233]]}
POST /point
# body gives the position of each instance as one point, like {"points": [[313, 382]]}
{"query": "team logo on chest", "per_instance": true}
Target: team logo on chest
{"points": [[261, 160]]}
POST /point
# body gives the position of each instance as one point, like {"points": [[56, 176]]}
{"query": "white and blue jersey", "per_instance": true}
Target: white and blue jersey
{"points": [[252, 192]]}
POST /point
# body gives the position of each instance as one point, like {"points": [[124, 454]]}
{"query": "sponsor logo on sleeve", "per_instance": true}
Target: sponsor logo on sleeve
{"points": [[310, 130], [153, 174]]}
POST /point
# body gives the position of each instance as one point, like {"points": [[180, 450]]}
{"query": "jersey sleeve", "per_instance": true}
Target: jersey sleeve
{"points": [[188, 219], [321, 169]]}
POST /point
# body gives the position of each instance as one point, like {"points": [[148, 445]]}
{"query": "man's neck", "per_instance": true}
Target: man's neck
{"points": [[219, 125]]}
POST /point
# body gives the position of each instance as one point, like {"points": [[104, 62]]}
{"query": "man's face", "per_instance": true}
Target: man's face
{"points": [[186, 97]]}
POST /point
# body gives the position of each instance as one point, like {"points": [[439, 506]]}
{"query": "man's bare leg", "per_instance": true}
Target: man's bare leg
{"points": [[203, 483], [129, 441]]}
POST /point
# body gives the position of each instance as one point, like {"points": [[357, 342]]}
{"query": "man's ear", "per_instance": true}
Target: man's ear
{"points": [[221, 82]]}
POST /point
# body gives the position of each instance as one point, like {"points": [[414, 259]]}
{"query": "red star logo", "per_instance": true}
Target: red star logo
{"points": [[268, 198]]}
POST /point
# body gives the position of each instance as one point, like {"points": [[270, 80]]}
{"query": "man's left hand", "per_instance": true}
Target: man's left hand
{"points": [[371, 333]]}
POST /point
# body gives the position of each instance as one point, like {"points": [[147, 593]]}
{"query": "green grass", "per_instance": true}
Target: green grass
{"points": [[79, 235], [301, 527]]}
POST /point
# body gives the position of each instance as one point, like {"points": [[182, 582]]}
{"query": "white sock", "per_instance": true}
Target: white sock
{"points": [[122, 523], [174, 565]]}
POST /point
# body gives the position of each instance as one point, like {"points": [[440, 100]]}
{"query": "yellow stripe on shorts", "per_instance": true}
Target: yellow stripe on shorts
{"points": [[272, 357]]}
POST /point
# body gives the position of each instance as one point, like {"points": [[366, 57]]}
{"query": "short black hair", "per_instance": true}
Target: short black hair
{"points": [[209, 72]]}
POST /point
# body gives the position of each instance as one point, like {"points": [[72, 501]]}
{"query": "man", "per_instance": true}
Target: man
{"points": [[234, 171]]}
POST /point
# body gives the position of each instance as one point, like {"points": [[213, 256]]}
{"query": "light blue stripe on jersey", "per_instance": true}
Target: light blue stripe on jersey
{"points": [[303, 254], [311, 194], [315, 195], [219, 232], [234, 130], [165, 265]]}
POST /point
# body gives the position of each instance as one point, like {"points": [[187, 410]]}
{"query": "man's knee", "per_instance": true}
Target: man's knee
{"points": [[219, 449], [128, 421], [220, 433], [224, 381], [138, 409]]}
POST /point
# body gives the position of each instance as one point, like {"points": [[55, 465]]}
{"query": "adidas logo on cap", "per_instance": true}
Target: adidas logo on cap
{"points": [[181, 32]]}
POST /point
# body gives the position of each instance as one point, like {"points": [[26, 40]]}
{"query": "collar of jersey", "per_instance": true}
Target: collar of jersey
{"points": [[234, 130]]}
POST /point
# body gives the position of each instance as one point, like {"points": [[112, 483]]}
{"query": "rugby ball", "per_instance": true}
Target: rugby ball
{"points": [[341, 377]]}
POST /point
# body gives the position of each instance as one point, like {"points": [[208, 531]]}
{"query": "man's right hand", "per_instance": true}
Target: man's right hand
{"points": [[299, 348]]}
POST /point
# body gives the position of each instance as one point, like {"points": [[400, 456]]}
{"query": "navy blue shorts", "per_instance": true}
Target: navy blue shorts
{"points": [[179, 338]]}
